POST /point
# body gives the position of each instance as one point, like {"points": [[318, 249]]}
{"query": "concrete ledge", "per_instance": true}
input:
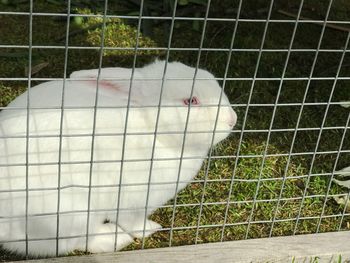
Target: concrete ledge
{"points": [[325, 247]]}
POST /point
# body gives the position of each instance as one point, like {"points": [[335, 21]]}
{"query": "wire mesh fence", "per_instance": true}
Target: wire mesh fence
{"points": [[138, 156]]}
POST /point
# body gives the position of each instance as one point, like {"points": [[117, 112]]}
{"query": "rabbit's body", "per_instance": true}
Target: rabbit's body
{"points": [[44, 153]]}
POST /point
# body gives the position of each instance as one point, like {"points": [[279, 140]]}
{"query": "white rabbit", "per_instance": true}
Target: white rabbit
{"points": [[76, 146]]}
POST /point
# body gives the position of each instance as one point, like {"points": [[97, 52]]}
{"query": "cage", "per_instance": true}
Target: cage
{"points": [[283, 65]]}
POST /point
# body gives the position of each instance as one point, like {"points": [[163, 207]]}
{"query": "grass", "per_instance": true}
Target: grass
{"points": [[121, 33], [316, 259]]}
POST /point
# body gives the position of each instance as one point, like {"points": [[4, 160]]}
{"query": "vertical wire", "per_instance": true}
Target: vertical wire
{"points": [[300, 113], [216, 120], [227, 65], [61, 129], [187, 120], [94, 122], [272, 121], [126, 121], [246, 116], [157, 120], [343, 137], [293, 140], [27, 121], [268, 135]]}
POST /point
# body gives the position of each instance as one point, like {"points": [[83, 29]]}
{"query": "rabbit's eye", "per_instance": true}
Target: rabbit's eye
{"points": [[194, 101]]}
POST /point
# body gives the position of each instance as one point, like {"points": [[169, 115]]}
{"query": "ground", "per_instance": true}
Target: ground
{"points": [[282, 177]]}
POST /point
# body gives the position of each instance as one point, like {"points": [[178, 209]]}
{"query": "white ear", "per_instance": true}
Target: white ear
{"points": [[91, 73], [116, 82], [115, 73], [111, 80]]}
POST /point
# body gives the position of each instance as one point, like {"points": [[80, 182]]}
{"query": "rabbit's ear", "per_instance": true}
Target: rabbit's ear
{"points": [[113, 73], [92, 73], [110, 80], [119, 90], [116, 81]]}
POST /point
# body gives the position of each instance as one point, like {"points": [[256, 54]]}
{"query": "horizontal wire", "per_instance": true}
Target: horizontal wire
{"points": [[176, 158], [179, 228], [250, 20], [244, 202], [175, 48], [291, 104], [228, 78], [78, 135], [194, 181]]}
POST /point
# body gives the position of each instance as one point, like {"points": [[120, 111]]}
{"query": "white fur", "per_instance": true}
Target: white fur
{"points": [[107, 153]]}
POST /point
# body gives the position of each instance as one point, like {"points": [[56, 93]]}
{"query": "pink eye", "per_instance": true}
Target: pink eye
{"points": [[194, 101]]}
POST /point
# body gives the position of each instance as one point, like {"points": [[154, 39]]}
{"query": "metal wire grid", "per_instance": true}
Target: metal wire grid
{"points": [[27, 126], [61, 132], [211, 156]]}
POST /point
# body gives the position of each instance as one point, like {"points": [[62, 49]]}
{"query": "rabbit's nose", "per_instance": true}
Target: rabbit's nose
{"points": [[233, 119]]}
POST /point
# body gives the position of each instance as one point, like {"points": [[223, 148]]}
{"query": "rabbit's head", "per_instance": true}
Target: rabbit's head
{"points": [[206, 111], [209, 106]]}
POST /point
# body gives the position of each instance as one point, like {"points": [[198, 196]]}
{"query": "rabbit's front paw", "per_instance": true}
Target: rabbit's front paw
{"points": [[150, 228], [105, 243]]}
